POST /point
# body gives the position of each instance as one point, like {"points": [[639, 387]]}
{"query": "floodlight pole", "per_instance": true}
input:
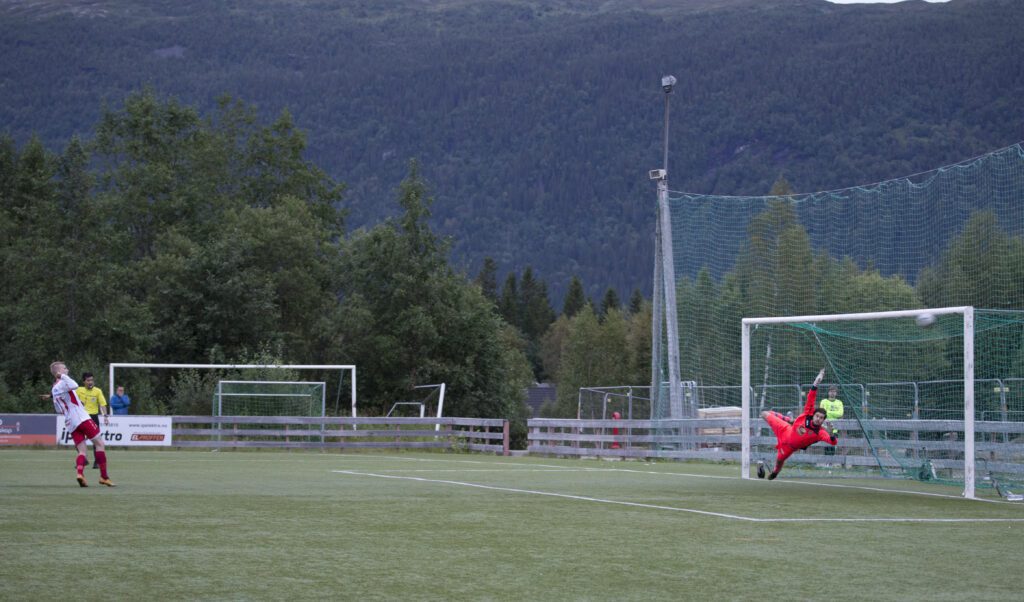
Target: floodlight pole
{"points": [[667, 83], [666, 284]]}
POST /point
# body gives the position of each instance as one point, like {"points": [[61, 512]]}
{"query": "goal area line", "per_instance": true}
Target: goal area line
{"points": [[738, 517]]}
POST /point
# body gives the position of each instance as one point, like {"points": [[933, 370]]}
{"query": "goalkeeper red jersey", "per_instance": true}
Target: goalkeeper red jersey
{"points": [[802, 434]]}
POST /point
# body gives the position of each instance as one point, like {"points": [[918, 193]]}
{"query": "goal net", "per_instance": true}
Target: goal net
{"points": [[926, 394], [270, 398]]}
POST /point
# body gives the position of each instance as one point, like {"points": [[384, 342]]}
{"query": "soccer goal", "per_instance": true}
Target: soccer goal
{"points": [[926, 392], [428, 402], [270, 398], [243, 389]]}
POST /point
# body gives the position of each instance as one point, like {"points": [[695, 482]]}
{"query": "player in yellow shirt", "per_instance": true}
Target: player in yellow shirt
{"points": [[95, 403]]}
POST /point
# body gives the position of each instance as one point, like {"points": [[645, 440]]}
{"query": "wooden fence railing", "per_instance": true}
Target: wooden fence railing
{"points": [[999, 444], [474, 434]]}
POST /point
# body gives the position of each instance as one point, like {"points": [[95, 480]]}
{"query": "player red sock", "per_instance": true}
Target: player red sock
{"points": [[80, 463], [101, 457]]}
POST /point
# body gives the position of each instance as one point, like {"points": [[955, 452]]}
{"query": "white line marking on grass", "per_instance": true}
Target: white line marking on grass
{"points": [[687, 510], [657, 472], [544, 493], [704, 476], [461, 470], [510, 466], [408, 459], [884, 490], [810, 483]]}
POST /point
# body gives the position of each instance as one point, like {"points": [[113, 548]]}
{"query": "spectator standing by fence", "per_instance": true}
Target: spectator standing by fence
{"points": [[119, 402]]}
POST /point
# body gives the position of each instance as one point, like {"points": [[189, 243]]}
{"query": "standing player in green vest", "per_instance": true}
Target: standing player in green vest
{"points": [[833, 411]]}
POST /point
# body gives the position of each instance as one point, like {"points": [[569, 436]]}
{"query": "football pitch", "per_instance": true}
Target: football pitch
{"points": [[449, 526]]}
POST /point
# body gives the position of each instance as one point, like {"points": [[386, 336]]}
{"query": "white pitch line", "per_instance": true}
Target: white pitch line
{"points": [[544, 493], [686, 510], [628, 470], [504, 470], [883, 490], [658, 472], [705, 476], [489, 463], [407, 459], [813, 484]]}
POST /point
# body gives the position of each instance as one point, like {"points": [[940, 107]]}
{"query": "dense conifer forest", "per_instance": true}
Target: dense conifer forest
{"points": [[535, 122], [457, 191]]}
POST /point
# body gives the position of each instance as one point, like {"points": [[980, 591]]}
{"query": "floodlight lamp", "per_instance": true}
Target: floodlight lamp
{"points": [[667, 82]]}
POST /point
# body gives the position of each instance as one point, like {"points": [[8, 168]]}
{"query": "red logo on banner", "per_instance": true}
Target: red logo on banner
{"points": [[147, 437]]}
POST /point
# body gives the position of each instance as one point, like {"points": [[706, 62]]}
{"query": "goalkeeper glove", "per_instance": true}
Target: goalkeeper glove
{"points": [[817, 379]]}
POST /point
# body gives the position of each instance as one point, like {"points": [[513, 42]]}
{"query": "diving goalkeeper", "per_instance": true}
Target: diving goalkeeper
{"points": [[803, 432]]}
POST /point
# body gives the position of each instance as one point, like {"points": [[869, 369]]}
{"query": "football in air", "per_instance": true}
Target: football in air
{"points": [[925, 320]]}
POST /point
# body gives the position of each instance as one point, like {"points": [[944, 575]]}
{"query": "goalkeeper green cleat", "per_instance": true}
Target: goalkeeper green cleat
{"points": [[107, 482], [772, 476]]}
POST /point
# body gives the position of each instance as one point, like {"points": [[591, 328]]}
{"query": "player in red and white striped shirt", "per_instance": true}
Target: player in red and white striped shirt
{"points": [[78, 423]]}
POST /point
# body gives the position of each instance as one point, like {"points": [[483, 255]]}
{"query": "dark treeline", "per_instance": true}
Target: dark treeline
{"points": [[537, 120], [169, 236], [172, 236]]}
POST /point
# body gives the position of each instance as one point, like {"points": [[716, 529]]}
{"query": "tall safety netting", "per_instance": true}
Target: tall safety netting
{"points": [[948, 237]]}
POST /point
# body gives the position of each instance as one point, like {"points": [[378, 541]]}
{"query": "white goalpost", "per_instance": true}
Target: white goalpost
{"points": [[432, 402], [343, 369], [896, 348]]}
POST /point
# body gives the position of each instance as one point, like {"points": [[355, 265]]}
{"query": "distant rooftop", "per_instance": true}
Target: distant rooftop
{"points": [[538, 395]]}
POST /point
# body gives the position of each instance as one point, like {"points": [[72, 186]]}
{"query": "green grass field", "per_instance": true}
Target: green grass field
{"points": [[411, 526]]}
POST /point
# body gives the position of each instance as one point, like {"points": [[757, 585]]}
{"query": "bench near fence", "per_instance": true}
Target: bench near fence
{"points": [[474, 434], [999, 444]]}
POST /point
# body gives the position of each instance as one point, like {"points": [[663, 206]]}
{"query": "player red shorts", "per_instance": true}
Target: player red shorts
{"points": [[779, 426], [86, 430]]}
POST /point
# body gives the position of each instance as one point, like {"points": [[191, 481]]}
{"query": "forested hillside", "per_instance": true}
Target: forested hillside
{"points": [[535, 122]]}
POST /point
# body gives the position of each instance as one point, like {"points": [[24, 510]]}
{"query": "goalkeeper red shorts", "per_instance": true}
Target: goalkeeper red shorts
{"points": [[777, 423]]}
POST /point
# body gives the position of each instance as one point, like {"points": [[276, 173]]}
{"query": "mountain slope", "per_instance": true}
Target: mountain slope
{"points": [[536, 122]]}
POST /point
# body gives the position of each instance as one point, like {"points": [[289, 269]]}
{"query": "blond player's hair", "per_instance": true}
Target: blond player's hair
{"points": [[53, 367]]}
